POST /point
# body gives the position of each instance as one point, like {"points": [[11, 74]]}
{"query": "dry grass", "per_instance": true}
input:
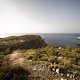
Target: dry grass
{"points": [[39, 62]]}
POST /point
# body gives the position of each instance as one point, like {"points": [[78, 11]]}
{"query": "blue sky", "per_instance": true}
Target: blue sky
{"points": [[40, 16]]}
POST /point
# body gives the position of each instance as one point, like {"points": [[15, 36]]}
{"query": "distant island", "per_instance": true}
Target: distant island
{"points": [[28, 57]]}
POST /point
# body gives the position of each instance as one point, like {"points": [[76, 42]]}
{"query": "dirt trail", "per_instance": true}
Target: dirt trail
{"points": [[16, 58]]}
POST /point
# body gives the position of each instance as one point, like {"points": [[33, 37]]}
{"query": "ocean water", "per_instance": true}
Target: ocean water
{"points": [[61, 39]]}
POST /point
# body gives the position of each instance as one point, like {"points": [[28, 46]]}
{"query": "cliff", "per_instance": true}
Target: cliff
{"points": [[21, 42]]}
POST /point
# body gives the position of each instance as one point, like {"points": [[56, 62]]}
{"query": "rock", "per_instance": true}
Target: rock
{"points": [[68, 74], [57, 70], [34, 69], [59, 48], [60, 58], [63, 79]]}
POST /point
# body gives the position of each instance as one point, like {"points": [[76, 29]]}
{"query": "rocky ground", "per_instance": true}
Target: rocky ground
{"points": [[44, 63]]}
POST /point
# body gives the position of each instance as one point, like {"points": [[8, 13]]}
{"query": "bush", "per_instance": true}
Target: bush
{"points": [[53, 60], [37, 56]]}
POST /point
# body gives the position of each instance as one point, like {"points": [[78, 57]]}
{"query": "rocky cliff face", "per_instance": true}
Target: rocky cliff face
{"points": [[21, 42]]}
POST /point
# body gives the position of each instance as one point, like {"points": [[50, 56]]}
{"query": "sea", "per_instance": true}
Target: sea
{"points": [[61, 39]]}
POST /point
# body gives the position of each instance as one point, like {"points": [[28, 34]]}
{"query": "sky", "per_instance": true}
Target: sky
{"points": [[39, 16]]}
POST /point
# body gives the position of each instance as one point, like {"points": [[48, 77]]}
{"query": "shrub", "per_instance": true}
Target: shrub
{"points": [[37, 56], [53, 59]]}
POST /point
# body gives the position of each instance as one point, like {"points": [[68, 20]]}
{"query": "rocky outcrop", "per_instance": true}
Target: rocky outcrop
{"points": [[21, 42]]}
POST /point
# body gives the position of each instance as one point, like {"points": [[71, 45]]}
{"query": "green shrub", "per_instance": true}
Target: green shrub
{"points": [[37, 56], [53, 59]]}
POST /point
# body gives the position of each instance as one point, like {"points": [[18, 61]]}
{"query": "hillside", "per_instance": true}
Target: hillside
{"points": [[21, 42], [41, 63]]}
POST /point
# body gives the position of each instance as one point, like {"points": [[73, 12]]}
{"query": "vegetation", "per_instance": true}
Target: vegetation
{"points": [[10, 44], [43, 63]]}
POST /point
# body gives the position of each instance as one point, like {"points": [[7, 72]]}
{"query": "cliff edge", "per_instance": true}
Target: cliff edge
{"points": [[21, 42]]}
